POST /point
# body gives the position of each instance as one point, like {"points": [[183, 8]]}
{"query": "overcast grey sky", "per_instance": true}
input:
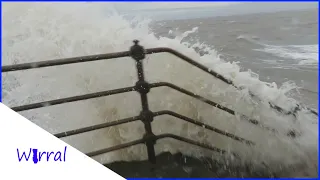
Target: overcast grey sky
{"points": [[168, 5], [178, 10], [174, 5]]}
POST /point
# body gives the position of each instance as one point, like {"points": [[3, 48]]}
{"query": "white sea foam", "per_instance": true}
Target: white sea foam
{"points": [[40, 31], [303, 54]]}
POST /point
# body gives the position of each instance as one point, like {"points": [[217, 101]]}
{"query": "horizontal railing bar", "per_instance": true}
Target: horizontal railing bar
{"points": [[97, 57], [96, 127], [74, 60], [184, 118], [158, 137], [129, 89], [189, 141], [64, 61], [217, 75], [205, 100], [196, 96], [72, 99], [297, 108], [106, 56], [313, 111], [159, 113], [190, 61], [114, 148]]}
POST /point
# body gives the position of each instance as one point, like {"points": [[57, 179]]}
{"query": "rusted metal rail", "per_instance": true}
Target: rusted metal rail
{"points": [[146, 116]]}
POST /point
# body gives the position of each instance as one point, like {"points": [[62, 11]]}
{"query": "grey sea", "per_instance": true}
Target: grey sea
{"points": [[280, 47]]}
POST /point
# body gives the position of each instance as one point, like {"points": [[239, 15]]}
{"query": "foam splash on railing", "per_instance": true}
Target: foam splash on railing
{"points": [[42, 31]]}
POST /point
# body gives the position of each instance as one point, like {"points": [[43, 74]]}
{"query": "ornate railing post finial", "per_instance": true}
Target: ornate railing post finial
{"points": [[137, 52]]}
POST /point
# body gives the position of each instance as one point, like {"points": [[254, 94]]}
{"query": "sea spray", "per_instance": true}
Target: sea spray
{"points": [[41, 31]]}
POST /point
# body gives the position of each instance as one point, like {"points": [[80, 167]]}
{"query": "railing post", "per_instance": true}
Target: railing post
{"points": [[137, 52]]}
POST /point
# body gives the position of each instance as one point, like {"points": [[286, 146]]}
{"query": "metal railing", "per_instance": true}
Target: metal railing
{"points": [[138, 53]]}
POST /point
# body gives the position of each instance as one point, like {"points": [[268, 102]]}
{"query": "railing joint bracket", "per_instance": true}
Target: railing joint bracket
{"points": [[142, 87], [146, 116], [150, 139]]}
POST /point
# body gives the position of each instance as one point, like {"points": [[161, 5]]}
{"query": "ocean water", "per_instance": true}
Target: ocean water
{"points": [[40, 31], [280, 47]]}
